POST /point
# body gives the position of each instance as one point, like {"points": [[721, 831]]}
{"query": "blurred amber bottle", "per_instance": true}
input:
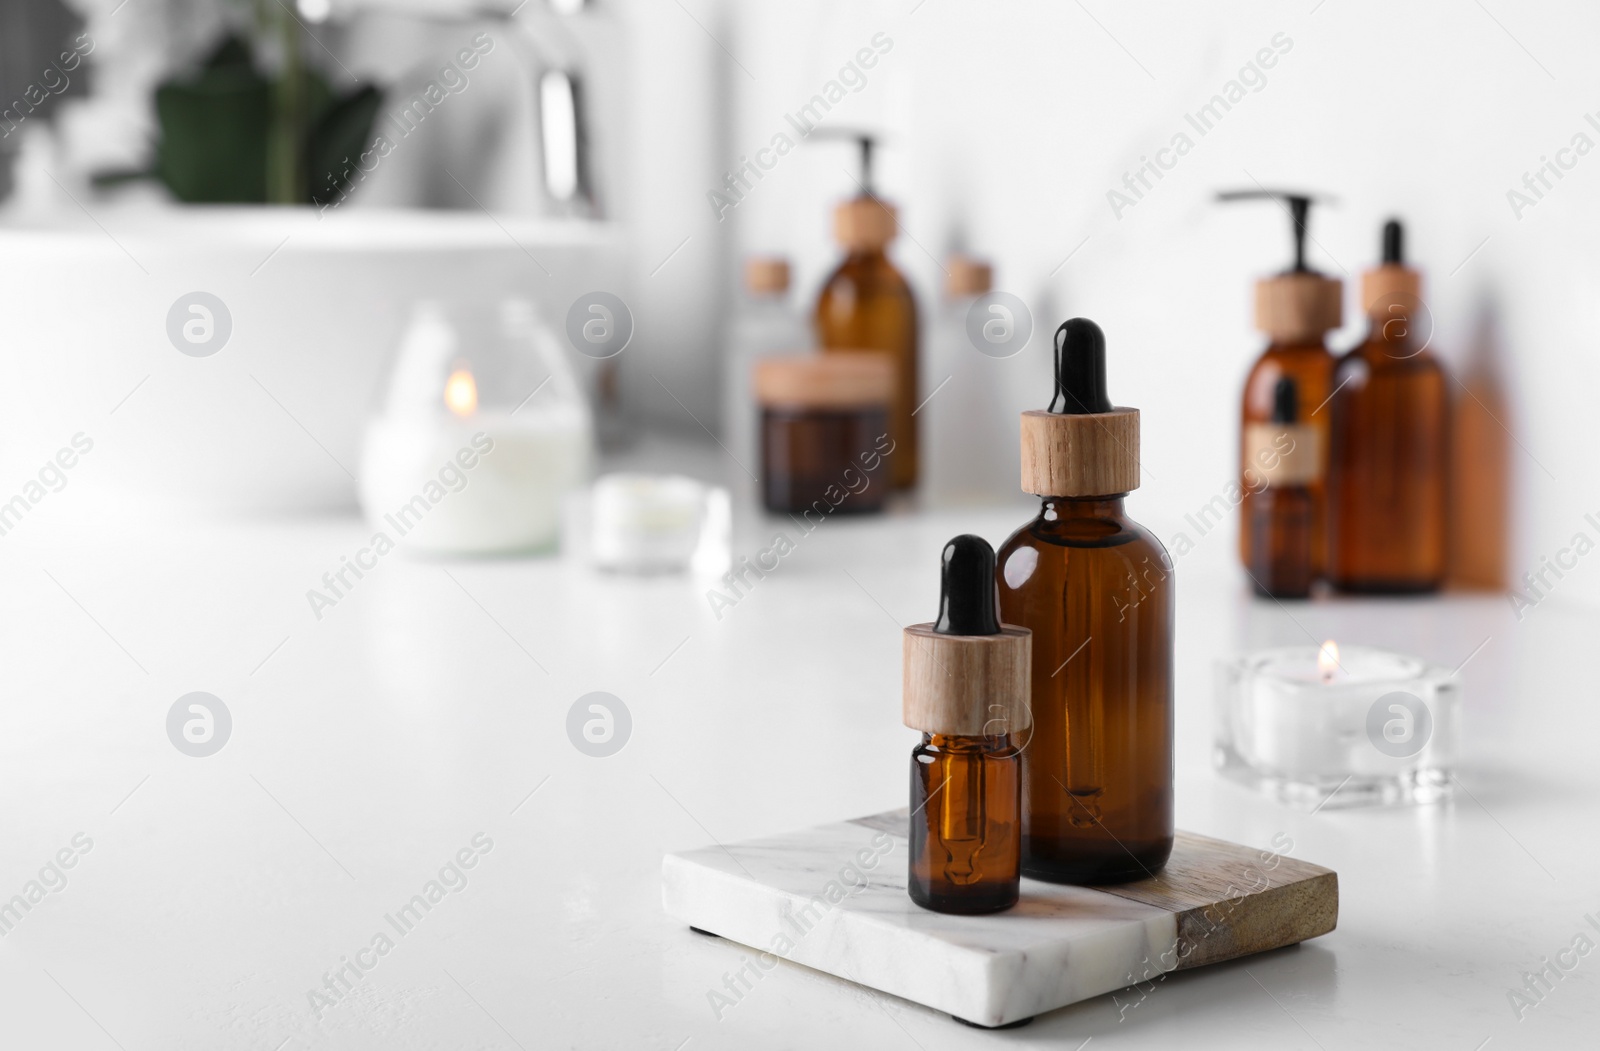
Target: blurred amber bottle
{"points": [[1388, 480], [1096, 589], [866, 305], [1295, 309], [1282, 462], [1480, 466]]}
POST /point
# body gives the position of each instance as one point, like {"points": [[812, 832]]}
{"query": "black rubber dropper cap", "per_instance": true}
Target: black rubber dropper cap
{"points": [[967, 592], [1080, 369], [1394, 243], [1286, 401]]}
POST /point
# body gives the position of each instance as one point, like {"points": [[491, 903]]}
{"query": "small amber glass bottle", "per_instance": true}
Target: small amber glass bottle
{"points": [[966, 689], [1096, 589], [1387, 502], [866, 304], [825, 442], [1283, 460]]}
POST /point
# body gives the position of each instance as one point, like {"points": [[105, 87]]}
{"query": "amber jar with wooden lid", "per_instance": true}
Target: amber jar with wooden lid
{"points": [[825, 440]]}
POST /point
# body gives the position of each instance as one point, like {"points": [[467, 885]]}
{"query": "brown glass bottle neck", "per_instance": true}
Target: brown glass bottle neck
{"points": [[962, 743], [1304, 345], [1068, 507]]}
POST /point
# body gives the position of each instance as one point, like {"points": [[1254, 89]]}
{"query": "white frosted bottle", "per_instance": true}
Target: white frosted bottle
{"points": [[764, 323], [969, 426]]}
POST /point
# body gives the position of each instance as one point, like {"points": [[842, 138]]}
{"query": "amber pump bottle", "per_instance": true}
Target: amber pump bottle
{"points": [[966, 688], [1295, 310], [1390, 425], [1282, 460], [866, 305], [1097, 591]]}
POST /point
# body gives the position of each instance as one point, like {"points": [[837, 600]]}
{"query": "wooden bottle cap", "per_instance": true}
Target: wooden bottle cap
{"points": [[766, 275], [966, 276], [1092, 454], [1387, 285], [967, 685], [836, 380], [864, 224], [1299, 306]]}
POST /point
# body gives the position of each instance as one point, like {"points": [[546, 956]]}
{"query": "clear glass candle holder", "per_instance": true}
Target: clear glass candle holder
{"points": [[1318, 728], [479, 433]]}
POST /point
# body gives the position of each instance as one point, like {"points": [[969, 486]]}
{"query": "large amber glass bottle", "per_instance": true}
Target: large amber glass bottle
{"points": [[1387, 502], [867, 305], [1097, 591]]}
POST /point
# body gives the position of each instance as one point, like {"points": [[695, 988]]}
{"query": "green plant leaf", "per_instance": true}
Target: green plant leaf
{"points": [[337, 141]]}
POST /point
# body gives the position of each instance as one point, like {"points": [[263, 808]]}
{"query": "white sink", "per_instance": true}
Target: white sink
{"points": [[271, 422]]}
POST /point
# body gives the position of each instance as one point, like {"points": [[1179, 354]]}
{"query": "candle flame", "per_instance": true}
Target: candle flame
{"points": [[1328, 660], [461, 393]]}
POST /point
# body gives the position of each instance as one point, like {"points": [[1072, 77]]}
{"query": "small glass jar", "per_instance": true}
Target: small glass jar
{"points": [[966, 823], [825, 441]]}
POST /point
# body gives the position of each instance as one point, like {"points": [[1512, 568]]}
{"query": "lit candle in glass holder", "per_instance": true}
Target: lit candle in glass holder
{"points": [[1320, 726], [479, 434]]}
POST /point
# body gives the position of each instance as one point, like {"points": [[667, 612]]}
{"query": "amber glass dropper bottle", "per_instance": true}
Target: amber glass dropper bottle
{"points": [[1295, 309], [866, 306], [1282, 461], [1390, 425], [966, 689], [1096, 590]]}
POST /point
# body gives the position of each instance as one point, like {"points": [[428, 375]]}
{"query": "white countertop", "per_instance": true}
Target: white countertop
{"points": [[371, 746]]}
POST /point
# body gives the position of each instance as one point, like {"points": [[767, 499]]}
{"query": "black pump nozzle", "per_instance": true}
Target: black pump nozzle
{"points": [[867, 143], [1394, 243], [1286, 401], [1080, 369], [968, 596], [1299, 207]]}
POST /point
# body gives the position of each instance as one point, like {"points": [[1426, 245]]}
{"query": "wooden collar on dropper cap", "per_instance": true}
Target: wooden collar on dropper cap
{"points": [[967, 674], [1300, 304], [1393, 284], [1082, 446]]}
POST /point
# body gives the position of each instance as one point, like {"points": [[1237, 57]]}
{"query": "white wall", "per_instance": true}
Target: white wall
{"points": [[1009, 122]]}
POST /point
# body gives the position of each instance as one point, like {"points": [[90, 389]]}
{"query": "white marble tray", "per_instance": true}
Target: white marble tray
{"points": [[834, 898]]}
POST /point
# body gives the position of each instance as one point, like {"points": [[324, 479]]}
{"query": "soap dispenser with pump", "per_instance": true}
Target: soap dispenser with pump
{"points": [[866, 306], [1295, 309]]}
